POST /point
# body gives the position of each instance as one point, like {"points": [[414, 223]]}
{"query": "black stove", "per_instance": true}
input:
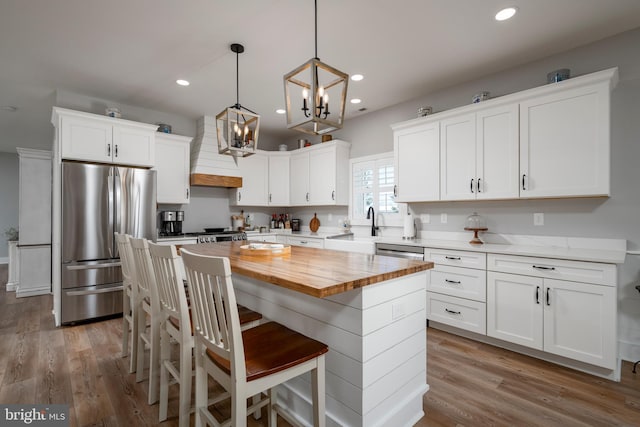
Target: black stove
{"points": [[211, 235]]}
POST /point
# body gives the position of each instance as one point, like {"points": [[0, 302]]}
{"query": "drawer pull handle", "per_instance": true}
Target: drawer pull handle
{"points": [[457, 282], [451, 311], [537, 294], [542, 267], [523, 177], [548, 303], [471, 186], [457, 258]]}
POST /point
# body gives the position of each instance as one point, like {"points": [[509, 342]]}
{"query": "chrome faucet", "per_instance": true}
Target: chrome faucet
{"points": [[372, 216]]}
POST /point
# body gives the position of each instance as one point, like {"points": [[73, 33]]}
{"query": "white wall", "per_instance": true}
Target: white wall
{"points": [[615, 217], [9, 197]]}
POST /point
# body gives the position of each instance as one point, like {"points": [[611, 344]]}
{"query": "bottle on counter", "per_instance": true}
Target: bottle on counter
{"points": [[273, 221]]}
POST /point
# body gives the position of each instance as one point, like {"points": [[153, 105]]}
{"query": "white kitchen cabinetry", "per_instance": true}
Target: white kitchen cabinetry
{"points": [[311, 242], [94, 138], [319, 175], [172, 154], [34, 217], [456, 289], [417, 162], [564, 142], [562, 307], [13, 278], [270, 238], [479, 155], [255, 185], [549, 141], [279, 178]]}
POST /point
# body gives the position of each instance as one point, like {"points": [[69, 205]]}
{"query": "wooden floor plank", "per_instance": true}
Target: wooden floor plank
{"points": [[471, 383]]}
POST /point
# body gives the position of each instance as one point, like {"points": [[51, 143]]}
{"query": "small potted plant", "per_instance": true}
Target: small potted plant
{"points": [[11, 234]]}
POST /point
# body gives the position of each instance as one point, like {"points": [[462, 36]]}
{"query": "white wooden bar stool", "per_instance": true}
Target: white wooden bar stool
{"points": [[129, 301], [149, 305], [175, 324], [244, 363]]}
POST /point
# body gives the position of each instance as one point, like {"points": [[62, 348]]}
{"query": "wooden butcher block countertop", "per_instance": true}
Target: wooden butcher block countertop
{"points": [[316, 272]]}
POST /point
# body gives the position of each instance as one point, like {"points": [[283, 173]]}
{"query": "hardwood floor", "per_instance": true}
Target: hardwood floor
{"points": [[472, 384]]}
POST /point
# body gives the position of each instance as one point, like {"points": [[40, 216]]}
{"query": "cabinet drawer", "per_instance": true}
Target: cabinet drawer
{"points": [[456, 258], [459, 282], [306, 241], [576, 271], [457, 312]]}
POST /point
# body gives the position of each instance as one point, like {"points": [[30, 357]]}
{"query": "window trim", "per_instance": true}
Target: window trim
{"points": [[382, 219]]}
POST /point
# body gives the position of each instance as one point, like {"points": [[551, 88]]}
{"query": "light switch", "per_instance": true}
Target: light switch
{"points": [[538, 219], [443, 218]]}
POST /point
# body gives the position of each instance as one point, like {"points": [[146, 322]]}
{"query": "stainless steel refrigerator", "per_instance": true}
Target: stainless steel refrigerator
{"points": [[97, 201]]}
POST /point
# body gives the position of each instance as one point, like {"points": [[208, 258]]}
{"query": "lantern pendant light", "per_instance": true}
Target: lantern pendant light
{"points": [[310, 89], [237, 127]]}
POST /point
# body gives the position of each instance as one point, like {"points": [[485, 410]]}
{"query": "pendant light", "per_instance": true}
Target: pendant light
{"points": [[310, 89], [237, 126]]}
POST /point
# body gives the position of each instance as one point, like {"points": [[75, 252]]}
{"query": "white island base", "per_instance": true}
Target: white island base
{"points": [[376, 366]]}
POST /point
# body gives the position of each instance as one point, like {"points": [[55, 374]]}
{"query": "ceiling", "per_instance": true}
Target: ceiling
{"points": [[131, 52]]}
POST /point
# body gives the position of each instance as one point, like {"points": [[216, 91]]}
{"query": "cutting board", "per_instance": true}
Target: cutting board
{"points": [[314, 224]]}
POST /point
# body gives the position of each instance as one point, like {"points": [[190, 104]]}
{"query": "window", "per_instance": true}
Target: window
{"points": [[372, 185]]}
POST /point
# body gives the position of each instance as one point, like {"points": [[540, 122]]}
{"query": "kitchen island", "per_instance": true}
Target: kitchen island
{"points": [[369, 309]]}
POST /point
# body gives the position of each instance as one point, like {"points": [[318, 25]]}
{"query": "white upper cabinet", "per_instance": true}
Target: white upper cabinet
{"points": [[458, 177], [94, 138], [299, 178], [564, 143], [479, 155], [172, 166], [417, 162], [549, 141], [319, 175], [279, 178], [497, 153], [255, 185]]}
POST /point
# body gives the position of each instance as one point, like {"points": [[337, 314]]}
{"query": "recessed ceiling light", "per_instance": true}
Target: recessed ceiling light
{"points": [[10, 108], [183, 82], [280, 111], [356, 101], [506, 13], [357, 77]]}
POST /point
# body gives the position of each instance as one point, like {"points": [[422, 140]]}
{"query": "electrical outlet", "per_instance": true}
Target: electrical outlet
{"points": [[425, 218], [538, 219], [443, 218], [397, 310]]}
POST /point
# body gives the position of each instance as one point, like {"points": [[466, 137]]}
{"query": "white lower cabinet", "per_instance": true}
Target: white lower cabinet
{"points": [[456, 289], [572, 319], [311, 242], [269, 238]]}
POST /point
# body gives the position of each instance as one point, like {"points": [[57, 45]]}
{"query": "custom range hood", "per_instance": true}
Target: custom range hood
{"points": [[208, 168]]}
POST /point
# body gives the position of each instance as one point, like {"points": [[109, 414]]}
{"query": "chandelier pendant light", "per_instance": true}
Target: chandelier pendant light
{"points": [[237, 127], [310, 89]]}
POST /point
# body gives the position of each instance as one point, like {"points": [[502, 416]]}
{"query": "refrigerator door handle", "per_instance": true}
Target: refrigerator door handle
{"points": [[94, 266], [93, 292], [110, 236]]}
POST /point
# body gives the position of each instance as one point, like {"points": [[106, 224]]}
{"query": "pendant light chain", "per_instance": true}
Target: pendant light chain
{"points": [[237, 79], [315, 8]]}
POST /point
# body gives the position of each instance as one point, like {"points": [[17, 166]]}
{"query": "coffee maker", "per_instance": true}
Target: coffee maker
{"points": [[171, 222]]}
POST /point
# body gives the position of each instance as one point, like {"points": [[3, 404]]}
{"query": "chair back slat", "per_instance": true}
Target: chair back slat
{"points": [[145, 277], [126, 260], [171, 292], [213, 302]]}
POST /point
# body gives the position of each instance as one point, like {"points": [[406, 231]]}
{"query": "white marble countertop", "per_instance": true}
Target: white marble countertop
{"points": [[610, 256]]}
